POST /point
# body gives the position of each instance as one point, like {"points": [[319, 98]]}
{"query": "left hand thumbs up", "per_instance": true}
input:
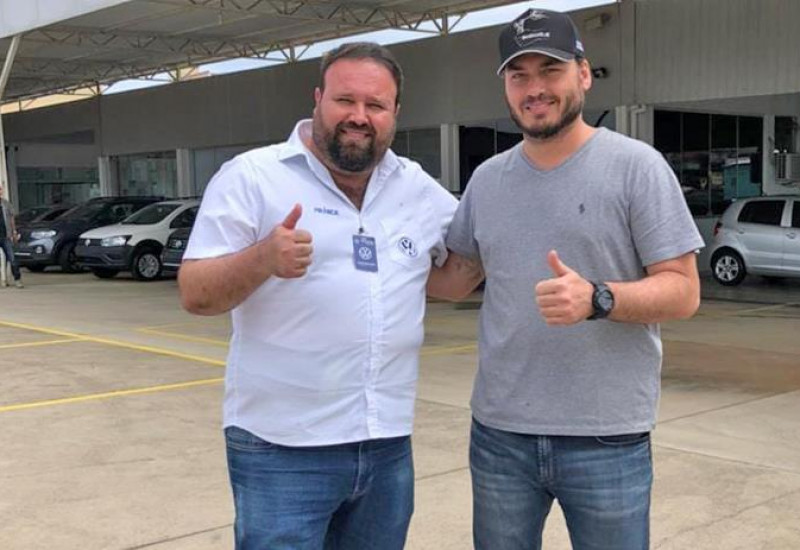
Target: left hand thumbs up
{"points": [[565, 299]]}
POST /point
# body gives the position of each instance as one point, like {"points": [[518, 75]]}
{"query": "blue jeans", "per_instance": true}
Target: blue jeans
{"points": [[355, 496], [8, 250], [602, 484]]}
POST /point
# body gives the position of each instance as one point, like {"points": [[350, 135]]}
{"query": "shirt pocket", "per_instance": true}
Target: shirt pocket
{"points": [[406, 243]]}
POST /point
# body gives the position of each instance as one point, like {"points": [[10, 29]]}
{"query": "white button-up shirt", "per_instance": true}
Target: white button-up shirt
{"points": [[331, 357]]}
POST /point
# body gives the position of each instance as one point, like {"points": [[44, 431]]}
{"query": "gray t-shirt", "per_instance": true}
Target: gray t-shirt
{"points": [[611, 208]]}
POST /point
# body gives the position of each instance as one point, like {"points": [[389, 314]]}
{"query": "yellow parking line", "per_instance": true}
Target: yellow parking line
{"points": [[42, 343], [448, 349], [179, 336], [107, 395], [117, 343]]}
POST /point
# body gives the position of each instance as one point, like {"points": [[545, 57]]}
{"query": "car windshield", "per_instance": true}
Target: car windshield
{"points": [[52, 214], [151, 214], [30, 214], [84, 211]]}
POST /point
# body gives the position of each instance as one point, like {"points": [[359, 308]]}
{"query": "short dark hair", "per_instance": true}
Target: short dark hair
{"points": [[363, 50]]}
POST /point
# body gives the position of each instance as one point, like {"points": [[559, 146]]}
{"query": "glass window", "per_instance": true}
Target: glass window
{"points": [[763, 212], [796, 214], [717, 158], [185, 218], [53, 185], [479, 141], [723, 132], [148, 174], [750, 133], [667, 131], [425, 146]]}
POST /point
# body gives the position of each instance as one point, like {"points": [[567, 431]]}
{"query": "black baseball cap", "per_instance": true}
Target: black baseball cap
{"points": [[549, 33]]}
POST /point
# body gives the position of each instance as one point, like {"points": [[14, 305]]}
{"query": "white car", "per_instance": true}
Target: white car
{"points": [[757, 235], [135, 244]]}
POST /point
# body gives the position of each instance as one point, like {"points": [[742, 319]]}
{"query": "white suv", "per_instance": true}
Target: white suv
{"points": [[135, 244], [759, 236]]}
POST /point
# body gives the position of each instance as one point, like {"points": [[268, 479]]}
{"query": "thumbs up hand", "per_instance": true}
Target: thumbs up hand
{"points": [[566, 298], [289, 249]]}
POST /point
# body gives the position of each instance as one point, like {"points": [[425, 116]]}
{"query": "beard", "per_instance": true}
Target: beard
{"points": [[353, 156], [573, 107]]}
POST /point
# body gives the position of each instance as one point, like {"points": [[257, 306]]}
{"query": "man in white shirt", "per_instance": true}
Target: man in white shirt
{"points": [[321, 247]]}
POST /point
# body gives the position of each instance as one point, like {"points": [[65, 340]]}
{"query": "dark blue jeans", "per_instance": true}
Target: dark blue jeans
{"points": [[356, 496], [8, 249], [602, 485]]}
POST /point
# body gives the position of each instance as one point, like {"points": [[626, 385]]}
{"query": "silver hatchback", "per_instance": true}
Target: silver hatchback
{"points": [[757, 235]]}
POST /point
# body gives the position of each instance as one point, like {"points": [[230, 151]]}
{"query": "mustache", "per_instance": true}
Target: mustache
{"points": [[537, 98], [367, 128]]}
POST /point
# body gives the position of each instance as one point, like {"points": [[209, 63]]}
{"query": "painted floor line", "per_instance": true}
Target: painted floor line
{"points": [[447, 349], [41, 343], [179, 336], [108, 395], [117, 343]]}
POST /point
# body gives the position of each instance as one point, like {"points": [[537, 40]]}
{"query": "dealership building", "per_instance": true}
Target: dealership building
{"points": [[712, 84]]}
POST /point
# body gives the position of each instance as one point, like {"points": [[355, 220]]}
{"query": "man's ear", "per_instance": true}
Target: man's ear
{"points": [[585, 71]]}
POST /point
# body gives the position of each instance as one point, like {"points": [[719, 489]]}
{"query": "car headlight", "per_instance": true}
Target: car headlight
{"points": [[43, 234], [177, 244], [117, 240]]}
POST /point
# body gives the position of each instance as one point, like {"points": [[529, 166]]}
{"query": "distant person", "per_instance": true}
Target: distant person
{"points": [[586, 243], [321, 247], [9, 236]]}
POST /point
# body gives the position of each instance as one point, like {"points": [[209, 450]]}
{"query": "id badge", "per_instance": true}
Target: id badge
{"points": [[365, 255]]}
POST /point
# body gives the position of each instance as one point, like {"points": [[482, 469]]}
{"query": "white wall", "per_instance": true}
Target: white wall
{"points": [[703, 49]]}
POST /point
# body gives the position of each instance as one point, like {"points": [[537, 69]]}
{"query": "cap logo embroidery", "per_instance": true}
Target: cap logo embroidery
{"points": [[524, 34]]}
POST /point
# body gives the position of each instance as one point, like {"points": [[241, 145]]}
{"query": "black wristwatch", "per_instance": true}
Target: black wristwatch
{"points": [[602, 301]]}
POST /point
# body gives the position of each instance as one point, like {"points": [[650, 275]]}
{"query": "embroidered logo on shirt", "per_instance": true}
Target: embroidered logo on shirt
{"points": [[325, 210], [582, 208], [407, 247]]}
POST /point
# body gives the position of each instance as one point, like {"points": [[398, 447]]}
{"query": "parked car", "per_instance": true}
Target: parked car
{"points": [[46, 243], [135, 244], [40, 214], [759, 235], [172, 254]]}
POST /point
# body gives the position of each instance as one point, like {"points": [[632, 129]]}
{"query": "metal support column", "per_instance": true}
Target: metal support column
{"points": [[9, 61]]}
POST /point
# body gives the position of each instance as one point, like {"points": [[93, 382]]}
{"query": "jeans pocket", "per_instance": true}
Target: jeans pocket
{"points": [[242, 440], [623, 439]]}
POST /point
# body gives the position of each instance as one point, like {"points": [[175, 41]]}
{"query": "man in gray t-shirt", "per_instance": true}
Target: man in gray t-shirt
{"points": [[586, 244]]}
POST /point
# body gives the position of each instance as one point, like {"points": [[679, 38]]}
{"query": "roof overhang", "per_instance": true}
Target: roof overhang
{"points": [[70, 45]]}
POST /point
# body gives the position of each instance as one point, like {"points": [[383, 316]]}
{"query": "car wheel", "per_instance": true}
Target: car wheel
{"points": [[104, 273], [67, 259], [36, 268], [727, 267], [146, 265]]}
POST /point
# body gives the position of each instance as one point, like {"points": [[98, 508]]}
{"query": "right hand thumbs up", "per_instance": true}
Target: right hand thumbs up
{"points": [[289, 249], [291, 220]]}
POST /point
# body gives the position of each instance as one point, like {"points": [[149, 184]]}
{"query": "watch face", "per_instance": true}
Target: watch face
{"points": [[605, 300]]}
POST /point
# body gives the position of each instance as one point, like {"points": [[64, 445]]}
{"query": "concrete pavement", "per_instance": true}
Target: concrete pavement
{"points": [[110, 411]]}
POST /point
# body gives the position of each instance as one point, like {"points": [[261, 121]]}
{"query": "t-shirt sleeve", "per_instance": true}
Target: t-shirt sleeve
{"points": [[461, 236], [661, 224], [229, 217], [443, 204]]}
